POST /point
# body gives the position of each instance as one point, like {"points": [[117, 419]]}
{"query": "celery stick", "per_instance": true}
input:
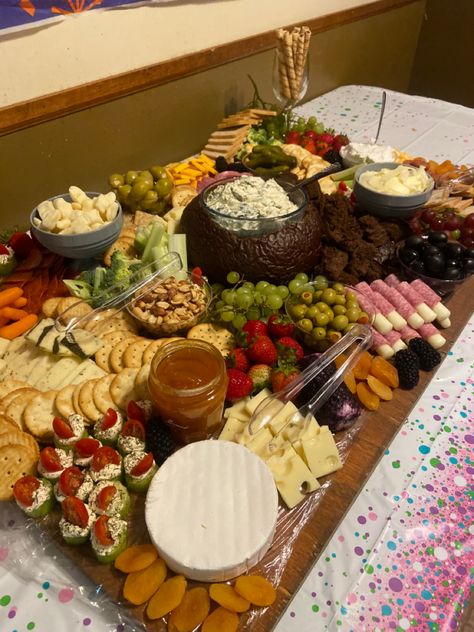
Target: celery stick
{"points": [[154, 240], [346, 174], [177, 243], [158, 252]]}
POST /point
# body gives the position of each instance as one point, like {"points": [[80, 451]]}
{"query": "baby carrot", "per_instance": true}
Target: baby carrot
{"points": [[10, 295], [12, 313], [19, 327], [20, 302], [3, 321]]}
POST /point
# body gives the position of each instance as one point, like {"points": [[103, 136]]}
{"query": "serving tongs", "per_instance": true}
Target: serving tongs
{"points": [[116, 298], [359, 338]]}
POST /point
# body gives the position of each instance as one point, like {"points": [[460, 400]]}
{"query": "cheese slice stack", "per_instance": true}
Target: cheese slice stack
{"points": [[211, 510]]}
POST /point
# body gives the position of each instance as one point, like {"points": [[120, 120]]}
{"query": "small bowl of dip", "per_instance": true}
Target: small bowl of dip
{"points": [[388, 189], [354, 154]]}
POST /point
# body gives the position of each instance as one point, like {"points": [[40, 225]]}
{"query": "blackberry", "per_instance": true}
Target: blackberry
{"points": [[427, 355], [408, 366], [332, 156], [159, 441]]}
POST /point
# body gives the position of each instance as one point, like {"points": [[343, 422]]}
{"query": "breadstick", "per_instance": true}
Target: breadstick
{"points": [[290, 65]]}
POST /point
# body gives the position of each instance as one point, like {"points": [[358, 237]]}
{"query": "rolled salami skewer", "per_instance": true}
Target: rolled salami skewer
{"points": [[432, 335], [407, 333], [394, 339], [403, 307], [381, 345], [384, 306], [392, 280], [380, 323], [412, 296], [432, 299]]}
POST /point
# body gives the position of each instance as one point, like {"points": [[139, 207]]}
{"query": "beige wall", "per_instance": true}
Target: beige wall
{"points": [[174, 120], [443, 66]]}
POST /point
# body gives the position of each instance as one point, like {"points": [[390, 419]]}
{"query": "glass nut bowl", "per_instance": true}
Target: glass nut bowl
{"points": [[442, 264], [326, 310], [387, 204], [246, 225], [172, 306], [84, 245]]}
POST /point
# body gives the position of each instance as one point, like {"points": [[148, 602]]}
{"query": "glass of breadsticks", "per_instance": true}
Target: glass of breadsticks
{"points": [[290, 68]]}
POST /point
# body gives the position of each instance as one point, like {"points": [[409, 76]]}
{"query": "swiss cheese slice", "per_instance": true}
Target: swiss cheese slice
{"points": [[211, 510]]}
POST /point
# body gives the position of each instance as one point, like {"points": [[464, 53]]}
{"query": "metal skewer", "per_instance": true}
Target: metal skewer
{"points": [[382, 111]]}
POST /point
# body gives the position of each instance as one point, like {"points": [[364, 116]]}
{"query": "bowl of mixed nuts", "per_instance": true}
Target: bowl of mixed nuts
{"points": [[172, 306]]}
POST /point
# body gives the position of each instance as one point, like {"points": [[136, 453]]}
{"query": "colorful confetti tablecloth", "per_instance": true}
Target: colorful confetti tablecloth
{"points": [[402, 557]]}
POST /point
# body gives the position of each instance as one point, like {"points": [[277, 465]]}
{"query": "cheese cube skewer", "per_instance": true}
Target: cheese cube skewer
{"points": [[380, 323], [432, 335], [432, 299], [394, 339], [381, 345]]}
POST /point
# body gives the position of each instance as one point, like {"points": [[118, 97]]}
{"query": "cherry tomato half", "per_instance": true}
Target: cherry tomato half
{"points": [[70, 480], [135, 412], [106, 496], [75, 511], [105, 456], [143, 466], [86, 447], [62, 428], [109, 419], [24, 490], [101, 531], [50, 460], [134, 428]]}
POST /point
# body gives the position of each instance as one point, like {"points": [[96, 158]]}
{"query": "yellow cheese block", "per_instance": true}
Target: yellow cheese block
{"points": [[320, 453], [292, 477]]}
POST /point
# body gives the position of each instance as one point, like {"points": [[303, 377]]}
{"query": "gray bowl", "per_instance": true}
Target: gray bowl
{"points": [[81, 246], [385, 204]]}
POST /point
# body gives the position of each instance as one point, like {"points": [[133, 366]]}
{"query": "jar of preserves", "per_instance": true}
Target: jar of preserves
{"points": [[188, 383]]}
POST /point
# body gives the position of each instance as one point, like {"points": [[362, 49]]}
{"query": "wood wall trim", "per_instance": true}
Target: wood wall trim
{"points": [[54, 105]]}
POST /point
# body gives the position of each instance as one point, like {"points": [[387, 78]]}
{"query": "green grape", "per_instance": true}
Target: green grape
{"points": [[274, 301], [217, 288], [227, 315], [270, 289], [283, 291], [248, 285], [319, 128], [239, 321], [229, 296], [312, 121], [258, 298], [244, 301], [243, 291], [302, 276], [261, 285], [320, 282], [233, 278], [253, 313], [295, 286], [219, 305]]}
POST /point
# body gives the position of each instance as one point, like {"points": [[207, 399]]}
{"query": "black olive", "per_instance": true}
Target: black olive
{"points": [[435, 264], [414, 241], [468, 265], [452, 274], [453, 263], [408, 255], [453, 250], [418, 266], [429, 250], [437, 237], [468, 253]]}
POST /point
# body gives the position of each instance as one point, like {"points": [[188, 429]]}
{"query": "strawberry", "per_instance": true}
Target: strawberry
{"points": [[339, 141], [251, 330], [309, 133], [309, 145], [289, 350], [237, 360], [4, 250], [279, 326], [260, 376], [239, 386], [282, 376], [21, 243], [262, 351], [293, 138], [327, 138]]}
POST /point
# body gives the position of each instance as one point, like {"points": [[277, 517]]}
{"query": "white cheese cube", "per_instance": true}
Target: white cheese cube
{"points": [[297, 431], [238, 407], [320, 453], [259, 441], [244, 437], [232, 427], [292, 477], [283, 417], [255, 401]]}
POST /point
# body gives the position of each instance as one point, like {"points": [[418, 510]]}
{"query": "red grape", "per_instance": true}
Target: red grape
{"points": [[437, 224], [469, 221], [467, 241], [452, 223], [428, 215], [467, 231], [416, 226]]}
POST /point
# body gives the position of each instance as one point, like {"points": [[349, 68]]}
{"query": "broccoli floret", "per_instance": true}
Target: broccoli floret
{"points": [[87, 276], [119, 272], [79, 288], [257, 136]]}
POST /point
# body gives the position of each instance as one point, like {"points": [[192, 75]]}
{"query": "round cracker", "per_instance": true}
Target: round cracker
{"points": [[89, 410], [75, 307], [114, 324], [141, 382], [15, 461], [133, 354], [220, 337], [10, 385], [101, 394], [114, 337], [18, 392], [39, 414], [50, 306], [7, 424], [116, 355], [20, 438], [63, 401], [150, 351], [122, 388], [17, 407], [102, 357], [75, 396]]}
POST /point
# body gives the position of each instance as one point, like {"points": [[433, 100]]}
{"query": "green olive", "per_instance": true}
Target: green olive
{"points": [[363, 318], [317, 294], [146, 175], [149, 201], [333, 335], [351, 302], [322, 319], [339, 322], [353, 314], [349, 327], [306, 297], [139, 189], [338, 287], [320, 282], [130, 177], [318, 333], [339, 309], [163, 187], [298, 311], [116, 180], [159, 207], [339, 299], [328, 296], [123, 192], [305, 324], [157, 171], [312, 312]]}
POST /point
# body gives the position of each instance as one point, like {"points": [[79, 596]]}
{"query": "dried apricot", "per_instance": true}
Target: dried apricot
{"points": [[225, 596], [136, 558], [384, 371], [339, 360], [362, 366], [367, 397], [168, 597], [191, 612], [221, 620], [255, 589], [379, 388], [141, 585]]}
